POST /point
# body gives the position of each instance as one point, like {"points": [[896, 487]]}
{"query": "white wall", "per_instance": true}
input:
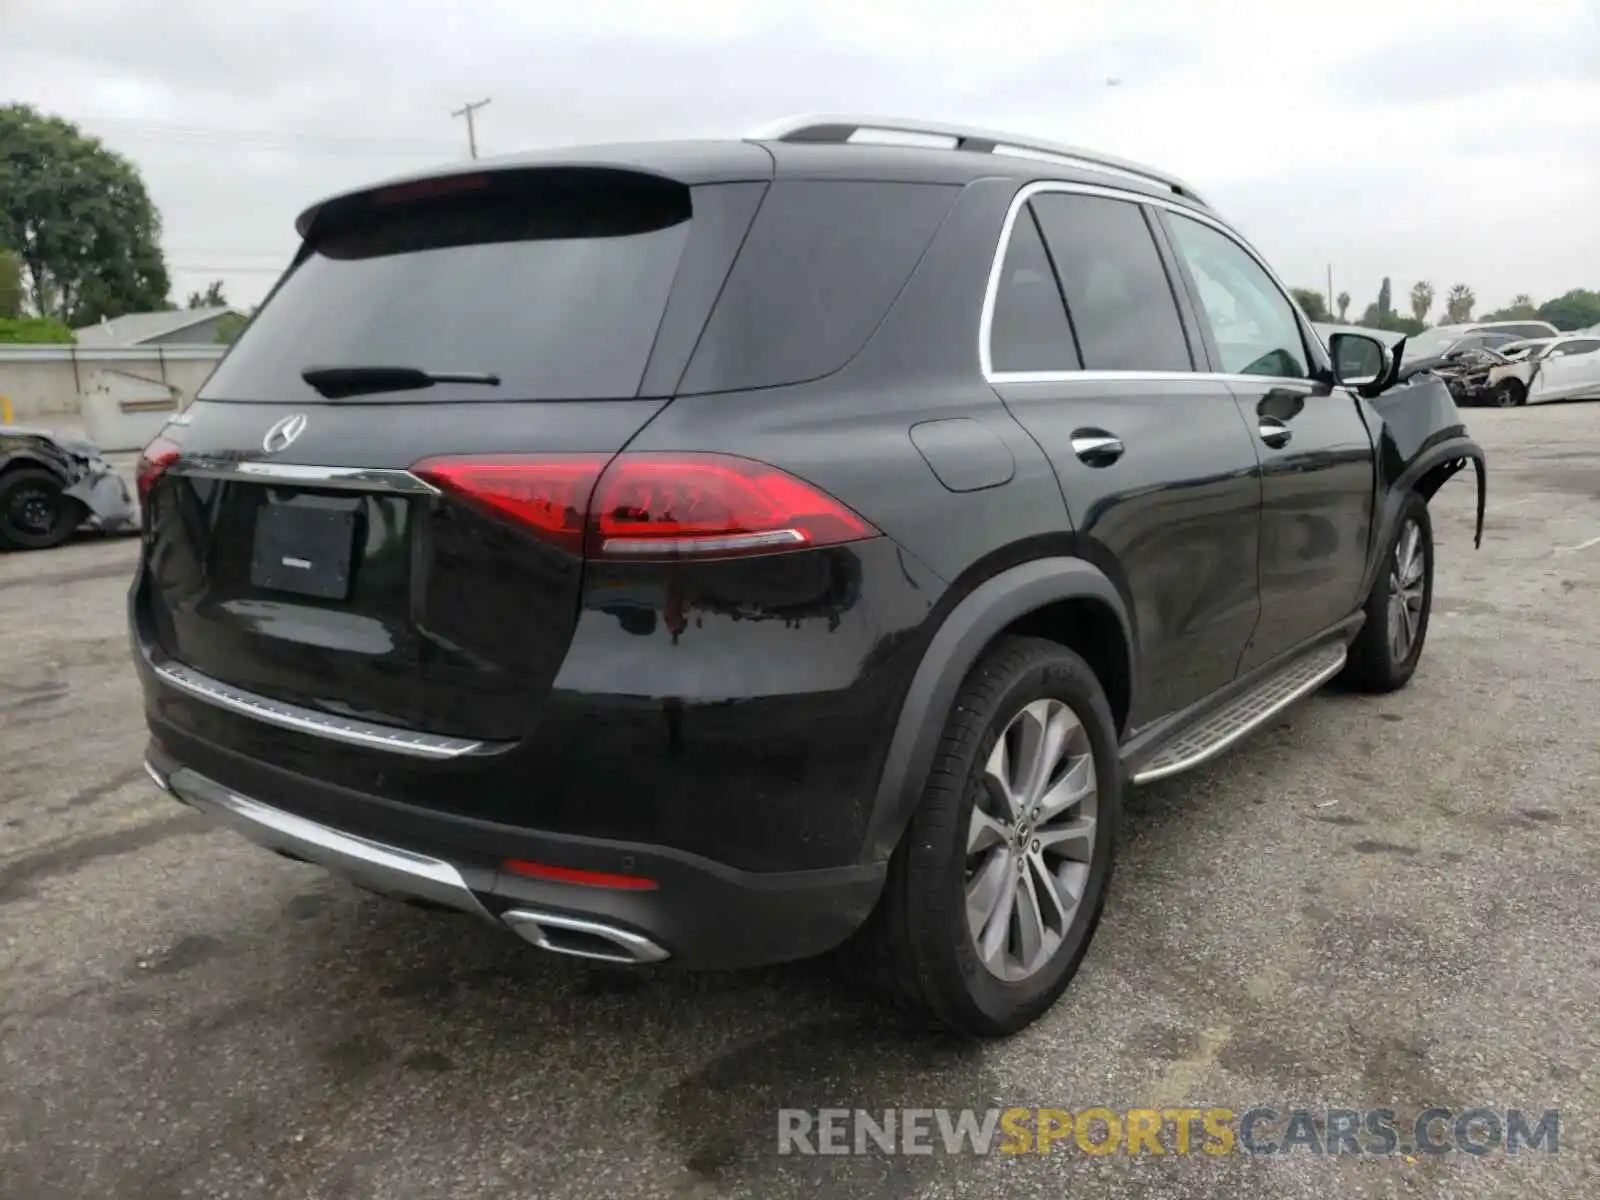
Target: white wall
{"points": [[115, 393]]}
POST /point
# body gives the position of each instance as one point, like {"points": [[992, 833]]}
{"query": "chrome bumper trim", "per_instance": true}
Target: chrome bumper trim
{"points": [[350, 479], [380, 867], [304, 720]]}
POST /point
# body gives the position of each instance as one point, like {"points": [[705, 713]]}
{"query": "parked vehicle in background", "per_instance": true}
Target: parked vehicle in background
{"points": [[51, 486], [731, 551], [1560, 368]]}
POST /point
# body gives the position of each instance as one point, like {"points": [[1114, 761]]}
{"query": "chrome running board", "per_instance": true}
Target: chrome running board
{"points": [[1239, 716]]}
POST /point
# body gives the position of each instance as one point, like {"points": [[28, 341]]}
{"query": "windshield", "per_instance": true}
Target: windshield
{"points": [[1430, 342], [557, 291]]}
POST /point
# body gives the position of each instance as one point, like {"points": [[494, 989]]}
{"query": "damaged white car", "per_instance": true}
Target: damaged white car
{"points": [[51, 486], [1559, 368]]}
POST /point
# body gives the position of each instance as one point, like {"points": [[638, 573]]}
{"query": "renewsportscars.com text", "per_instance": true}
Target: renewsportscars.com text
{"points": [[1177, 1131]]}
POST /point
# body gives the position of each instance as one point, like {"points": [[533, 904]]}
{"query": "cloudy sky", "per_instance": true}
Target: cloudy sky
{"points": [[1453, 141]]}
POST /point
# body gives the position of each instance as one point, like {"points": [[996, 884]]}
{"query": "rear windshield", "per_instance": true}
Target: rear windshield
{"points": [[557, 286]]}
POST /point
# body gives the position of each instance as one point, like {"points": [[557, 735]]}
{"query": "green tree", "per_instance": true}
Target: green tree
{"points": [[1344, 307], [1385, 298], [1421, 299], [80, 219], [230, 326], [1578, 309], [212, 297], [1458, 304], [10, 286], [1390, 321], [32, 331], [1311, 303], [1521, 308]]}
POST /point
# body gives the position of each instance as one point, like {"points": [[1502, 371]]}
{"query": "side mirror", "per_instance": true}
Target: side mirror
{"points": [[1358, 360], [1556, 354]]}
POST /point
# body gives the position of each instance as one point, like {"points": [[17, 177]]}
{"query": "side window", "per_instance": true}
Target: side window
{"points": [[1583, 346], [1251, 321], [1118, 294], [1028, 329]]}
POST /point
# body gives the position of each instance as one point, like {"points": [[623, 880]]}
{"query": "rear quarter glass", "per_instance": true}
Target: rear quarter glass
{"points": [[819, 271]]}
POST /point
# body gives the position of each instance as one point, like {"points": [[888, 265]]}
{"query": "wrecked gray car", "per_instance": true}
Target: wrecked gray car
{"points": [[1421, 438], [51, 486]]}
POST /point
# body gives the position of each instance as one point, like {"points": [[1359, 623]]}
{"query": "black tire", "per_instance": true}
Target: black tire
{"points": [[1509, 393], [1374, 665], [34, 513], [917, 949]]}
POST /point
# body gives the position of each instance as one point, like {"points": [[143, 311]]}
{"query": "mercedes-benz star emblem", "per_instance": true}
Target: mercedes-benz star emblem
{"points": [[283, 433]]}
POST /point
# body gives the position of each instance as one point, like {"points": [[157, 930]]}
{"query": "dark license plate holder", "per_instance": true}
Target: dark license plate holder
{"points": [[304, 549]]}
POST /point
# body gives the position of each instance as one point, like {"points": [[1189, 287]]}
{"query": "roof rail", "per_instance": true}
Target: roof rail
{"points": [[840, 128]]}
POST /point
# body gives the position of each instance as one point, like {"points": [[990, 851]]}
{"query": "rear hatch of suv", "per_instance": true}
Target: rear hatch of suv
{"points": [[314, 535]]}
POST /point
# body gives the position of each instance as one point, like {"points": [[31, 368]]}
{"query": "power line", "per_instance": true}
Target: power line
{"points": [[267, 139]]}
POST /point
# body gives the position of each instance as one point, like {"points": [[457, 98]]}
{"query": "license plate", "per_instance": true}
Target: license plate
{"points": [[304, 549]]}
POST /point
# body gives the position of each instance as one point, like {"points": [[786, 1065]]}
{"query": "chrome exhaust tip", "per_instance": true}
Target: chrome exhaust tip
{"points": [[157, 777], [583, 938]]}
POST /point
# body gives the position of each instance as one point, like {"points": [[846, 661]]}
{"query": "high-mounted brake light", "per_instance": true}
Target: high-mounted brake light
{"points": [[647, 506], [154, 459]]}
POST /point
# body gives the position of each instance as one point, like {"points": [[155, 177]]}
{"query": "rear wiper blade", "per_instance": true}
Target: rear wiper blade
{"points": [[334, 382]]}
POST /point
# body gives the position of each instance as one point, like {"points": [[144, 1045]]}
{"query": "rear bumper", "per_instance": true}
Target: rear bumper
{"points": [[700, 914]]}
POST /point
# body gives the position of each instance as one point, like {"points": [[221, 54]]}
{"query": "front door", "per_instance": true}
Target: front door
{"points": [[1092, 354], [1569, 371], [1317, 464]]}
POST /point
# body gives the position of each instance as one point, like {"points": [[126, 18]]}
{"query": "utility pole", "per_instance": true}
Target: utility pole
{"points": [[1331, 308], [472, 132]]}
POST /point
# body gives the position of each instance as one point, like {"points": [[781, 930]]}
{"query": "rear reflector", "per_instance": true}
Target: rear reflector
{"points": [[604, 879], [646, 506]]}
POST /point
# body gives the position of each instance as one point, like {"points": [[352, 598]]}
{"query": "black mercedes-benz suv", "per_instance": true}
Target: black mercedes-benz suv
{"points": [[726, 552]]}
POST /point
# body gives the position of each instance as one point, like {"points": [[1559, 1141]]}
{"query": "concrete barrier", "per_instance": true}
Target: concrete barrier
{"points": [[121, 395]]}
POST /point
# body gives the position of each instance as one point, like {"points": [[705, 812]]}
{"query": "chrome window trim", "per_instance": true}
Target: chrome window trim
{"points": [[1028, 192], [348, 730], [358, 479], [1147, 377]]}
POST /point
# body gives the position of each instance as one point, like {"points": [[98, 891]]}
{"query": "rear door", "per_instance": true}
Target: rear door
{"points": [[1317, 463], [1092, 351], [303, 549]]}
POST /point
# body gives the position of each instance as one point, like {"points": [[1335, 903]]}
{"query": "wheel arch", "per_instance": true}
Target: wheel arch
{"points": [[1062, 598]]}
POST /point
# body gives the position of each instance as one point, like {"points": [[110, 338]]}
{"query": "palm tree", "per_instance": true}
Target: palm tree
{"points": [[1344, 307], [1459, 303], [1421, 299], [1523, 300]]}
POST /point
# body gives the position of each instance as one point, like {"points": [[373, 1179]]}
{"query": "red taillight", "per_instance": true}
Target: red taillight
{"points": [[605, 879], [547, 492], [160, 454], [652, 506]]}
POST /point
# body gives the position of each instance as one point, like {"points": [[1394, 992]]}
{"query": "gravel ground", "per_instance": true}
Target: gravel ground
{"points": [[1374, 902]]}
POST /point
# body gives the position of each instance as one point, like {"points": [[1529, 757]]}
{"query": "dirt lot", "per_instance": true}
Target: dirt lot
{"points": [[1375, 902]]}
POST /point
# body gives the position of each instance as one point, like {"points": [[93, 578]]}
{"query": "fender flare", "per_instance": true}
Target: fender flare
{"points": [[26, 458], [1452, 454], [971, 625]]}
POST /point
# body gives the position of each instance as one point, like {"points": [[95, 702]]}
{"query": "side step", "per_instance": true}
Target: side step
{"points": [[1238, 717]]}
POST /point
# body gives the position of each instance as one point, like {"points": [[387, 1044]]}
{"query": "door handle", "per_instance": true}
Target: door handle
{"points": [[1274, 432], [1096, 447]]}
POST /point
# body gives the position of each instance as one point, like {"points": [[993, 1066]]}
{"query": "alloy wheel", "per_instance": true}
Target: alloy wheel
{"points": [[1407, 577], [1031, 839]]}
